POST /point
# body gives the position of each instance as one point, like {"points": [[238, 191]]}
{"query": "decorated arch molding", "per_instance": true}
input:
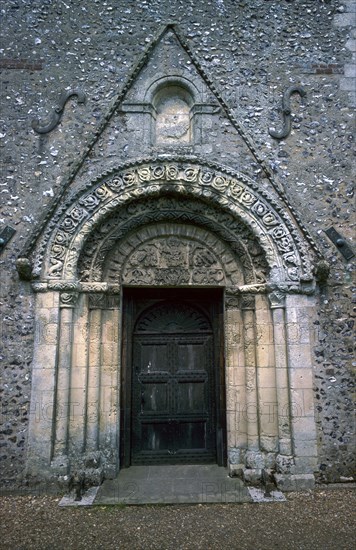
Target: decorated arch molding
{"points": [[241, 202], [172, 217]]}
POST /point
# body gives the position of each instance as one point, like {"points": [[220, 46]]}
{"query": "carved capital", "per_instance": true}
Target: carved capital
{"points": [[114, 289], [104, 301], [97, 300], [232, 302], [112, 301], [248, 301], [277, 299], [232, 298], [68, 299]]}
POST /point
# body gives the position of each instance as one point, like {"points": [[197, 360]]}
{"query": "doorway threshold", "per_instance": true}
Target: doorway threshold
{"points": [[179, 484]]}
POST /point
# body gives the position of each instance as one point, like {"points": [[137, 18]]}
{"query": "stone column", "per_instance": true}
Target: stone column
{"points": [[109, 385], [78, 381], [253, 457], [277, 301], [235, 383], [266, 381], [64, 361], [42, 408], [96, 303]]}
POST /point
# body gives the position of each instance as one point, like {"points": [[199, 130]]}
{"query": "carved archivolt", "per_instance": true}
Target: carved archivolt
{"points": [[146, 213], [235, 193]]}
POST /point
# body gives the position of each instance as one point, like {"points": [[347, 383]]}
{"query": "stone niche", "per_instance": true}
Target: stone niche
{"points": [[173, 115]]}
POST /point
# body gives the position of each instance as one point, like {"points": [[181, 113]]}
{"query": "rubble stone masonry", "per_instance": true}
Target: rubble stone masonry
{"points": [[252, 52]]}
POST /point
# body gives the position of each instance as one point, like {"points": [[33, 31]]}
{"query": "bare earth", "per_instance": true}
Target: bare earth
{"points": [[324, 519]]}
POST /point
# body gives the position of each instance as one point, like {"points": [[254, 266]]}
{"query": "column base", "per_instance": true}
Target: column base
{"points": [[60, 465], [285, 464], [252, 476]]}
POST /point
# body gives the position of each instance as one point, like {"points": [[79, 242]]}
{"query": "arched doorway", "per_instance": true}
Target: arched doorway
{"points": [[191, 228]]}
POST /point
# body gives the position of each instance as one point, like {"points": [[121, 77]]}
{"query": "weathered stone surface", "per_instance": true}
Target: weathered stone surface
{"points": [[252, 51], [287, 483]]}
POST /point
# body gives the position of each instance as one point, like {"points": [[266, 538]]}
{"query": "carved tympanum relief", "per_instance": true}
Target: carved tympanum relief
{"points": [[172, 253], [173, 259]]}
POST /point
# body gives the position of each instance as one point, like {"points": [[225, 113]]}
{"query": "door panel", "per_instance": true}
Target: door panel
{"points": [[173, 385], [172, 403]]}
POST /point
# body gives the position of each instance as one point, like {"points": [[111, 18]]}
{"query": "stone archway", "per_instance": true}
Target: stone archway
{"points": [[173, 223]]}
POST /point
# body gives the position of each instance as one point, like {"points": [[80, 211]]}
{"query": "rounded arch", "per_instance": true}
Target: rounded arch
{"points": [[272, 225], [174, 216], [158, 319], [187, 89]]}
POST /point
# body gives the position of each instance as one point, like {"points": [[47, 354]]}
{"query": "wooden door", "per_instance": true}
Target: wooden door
{"points": [[174, 377]]}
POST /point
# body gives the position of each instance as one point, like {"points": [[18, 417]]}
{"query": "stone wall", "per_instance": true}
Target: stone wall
{"points": [[252, 51]]}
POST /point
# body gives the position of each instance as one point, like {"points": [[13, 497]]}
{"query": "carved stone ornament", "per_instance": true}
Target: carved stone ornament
{"points": [[58, 112], [63, 285], [24, 269], [233, 192], [108, 248], [232, 299], [94, 287], [286, 111], [103, 301], [39, 287], [174, 260], [248, 301], [68, 299], [277, 299]]}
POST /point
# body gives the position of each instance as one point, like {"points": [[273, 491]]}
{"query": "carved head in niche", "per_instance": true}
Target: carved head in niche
{"points": [[173, 121]]}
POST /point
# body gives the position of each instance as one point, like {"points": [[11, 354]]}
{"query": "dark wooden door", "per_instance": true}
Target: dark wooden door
{"points": [[173, 386]]}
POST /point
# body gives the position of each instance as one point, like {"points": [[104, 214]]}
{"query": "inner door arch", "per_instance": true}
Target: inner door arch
{"points": [[173, 393]]}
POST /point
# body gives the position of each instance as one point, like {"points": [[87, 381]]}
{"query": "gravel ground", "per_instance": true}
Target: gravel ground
{"points": [[324, 519]]}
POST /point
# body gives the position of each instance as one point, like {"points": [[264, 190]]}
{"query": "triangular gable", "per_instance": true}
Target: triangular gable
{"points": [[118, 101]]}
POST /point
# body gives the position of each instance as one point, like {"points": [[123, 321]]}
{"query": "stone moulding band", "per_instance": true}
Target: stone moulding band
{"points": [[70, 286], [276, 293]]}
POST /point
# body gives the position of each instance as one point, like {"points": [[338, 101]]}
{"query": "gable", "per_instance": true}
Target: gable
{"points": [[168, 106]]}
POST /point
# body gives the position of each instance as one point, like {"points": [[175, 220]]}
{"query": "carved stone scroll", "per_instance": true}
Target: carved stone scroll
{"points": [[58, 112]]}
